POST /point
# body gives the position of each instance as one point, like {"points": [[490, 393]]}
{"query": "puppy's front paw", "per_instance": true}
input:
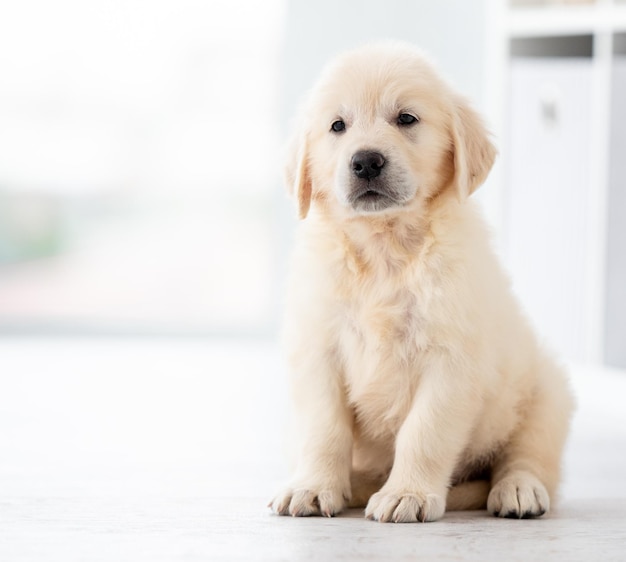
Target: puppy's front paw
{"points": [[518, 496], [309, 500], [405, 507]]}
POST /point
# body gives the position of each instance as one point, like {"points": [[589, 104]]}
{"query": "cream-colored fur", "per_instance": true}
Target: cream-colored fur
{"points": [[417, 382]]}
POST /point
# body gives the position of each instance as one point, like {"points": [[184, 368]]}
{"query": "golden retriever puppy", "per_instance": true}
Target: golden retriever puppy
{"points": [[417, 382]]}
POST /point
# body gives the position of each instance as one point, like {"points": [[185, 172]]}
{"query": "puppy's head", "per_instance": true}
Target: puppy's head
{"points": [[382, 132]]}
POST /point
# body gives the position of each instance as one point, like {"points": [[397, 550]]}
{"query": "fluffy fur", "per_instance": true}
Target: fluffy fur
{"points": [[417, 382]]}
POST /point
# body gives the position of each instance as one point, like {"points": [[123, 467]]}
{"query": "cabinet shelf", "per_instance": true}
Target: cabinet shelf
{"points": [[565, 20]]}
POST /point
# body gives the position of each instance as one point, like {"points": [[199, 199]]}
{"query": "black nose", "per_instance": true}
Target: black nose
{"points": [[367, 164]]}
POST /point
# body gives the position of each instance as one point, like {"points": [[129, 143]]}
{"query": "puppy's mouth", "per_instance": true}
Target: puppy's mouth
{"points": [[371, 198]]}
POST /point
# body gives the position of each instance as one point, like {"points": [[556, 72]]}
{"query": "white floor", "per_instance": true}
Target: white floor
{"points": [[169, 450]]}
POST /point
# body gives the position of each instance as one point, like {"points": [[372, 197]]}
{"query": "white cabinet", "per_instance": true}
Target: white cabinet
{"points": [[557, 86], [548, 188]]}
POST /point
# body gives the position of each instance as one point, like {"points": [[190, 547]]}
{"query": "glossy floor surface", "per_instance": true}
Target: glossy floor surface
{"points": [[169, 450]]}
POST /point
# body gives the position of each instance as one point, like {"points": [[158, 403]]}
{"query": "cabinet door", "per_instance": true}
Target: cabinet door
{"points": [[547, 193], [615, 327]]}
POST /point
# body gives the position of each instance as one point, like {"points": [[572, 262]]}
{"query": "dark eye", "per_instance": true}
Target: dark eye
{"points": [[338, 126], [407, 119]]}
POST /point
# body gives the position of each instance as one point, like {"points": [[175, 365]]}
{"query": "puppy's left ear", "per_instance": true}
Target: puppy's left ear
{"points": [[473, 152]]}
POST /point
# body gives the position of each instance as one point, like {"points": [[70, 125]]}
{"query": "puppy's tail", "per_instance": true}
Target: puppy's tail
{"points": [[468, 495]]}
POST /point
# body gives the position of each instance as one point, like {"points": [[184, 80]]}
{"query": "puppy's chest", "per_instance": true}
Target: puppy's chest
{"points": [[381, 338]]}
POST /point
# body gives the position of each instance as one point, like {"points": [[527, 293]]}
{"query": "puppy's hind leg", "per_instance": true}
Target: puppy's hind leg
{"points": [[364, 485], [526, 473], [468, 495]]}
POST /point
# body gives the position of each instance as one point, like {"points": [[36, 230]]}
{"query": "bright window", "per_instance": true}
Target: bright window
{"points": [[138, 164]]}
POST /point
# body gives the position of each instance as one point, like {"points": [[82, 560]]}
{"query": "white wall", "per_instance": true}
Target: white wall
{"points": [[451, 31]]}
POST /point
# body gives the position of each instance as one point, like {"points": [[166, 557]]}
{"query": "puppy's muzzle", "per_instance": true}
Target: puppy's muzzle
{"points": [[370, 190]]}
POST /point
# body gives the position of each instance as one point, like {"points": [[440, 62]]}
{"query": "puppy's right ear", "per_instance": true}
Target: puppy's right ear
{"points": [[297, 177]]}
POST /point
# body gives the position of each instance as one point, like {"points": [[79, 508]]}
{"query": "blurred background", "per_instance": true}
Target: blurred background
{"points": [[140, 156]]}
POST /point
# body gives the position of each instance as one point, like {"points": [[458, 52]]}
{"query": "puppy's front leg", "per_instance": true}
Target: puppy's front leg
{"points": [[321, 484], [429, 442]]}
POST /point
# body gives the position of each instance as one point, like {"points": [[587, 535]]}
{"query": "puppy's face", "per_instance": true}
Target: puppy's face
{"points": [[378, 136], [381, 133]]}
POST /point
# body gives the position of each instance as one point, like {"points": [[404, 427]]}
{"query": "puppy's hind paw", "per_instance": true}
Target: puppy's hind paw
{"points": [[518, 496]]}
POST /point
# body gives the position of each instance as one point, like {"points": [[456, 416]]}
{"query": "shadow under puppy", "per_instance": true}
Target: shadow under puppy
{"points": [[417, 382]]}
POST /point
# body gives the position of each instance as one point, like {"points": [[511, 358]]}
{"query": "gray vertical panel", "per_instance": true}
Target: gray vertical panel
{"points": [[615, 344]]}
